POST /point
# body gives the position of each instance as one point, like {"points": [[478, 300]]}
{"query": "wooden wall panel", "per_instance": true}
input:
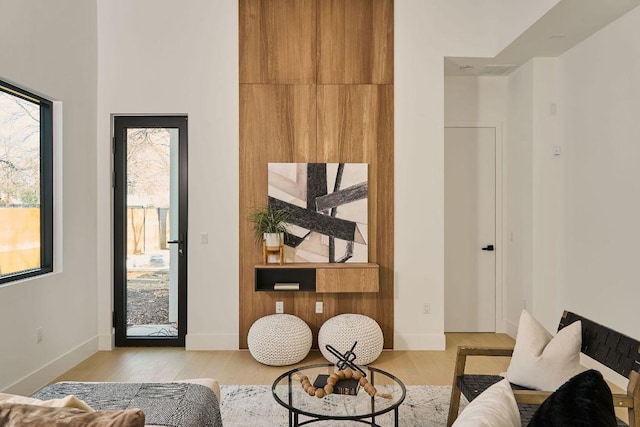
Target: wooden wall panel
{"points": [[355, 124], [355, 41], [351, 121], [385, 212], [277, 41], [277, 124]]}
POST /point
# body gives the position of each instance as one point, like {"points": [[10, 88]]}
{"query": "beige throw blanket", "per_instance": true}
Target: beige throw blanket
{"points": [[21, 415]]}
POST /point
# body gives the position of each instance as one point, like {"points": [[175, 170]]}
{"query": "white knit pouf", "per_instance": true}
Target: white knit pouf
{"points": [[279, 339], [345, 329]]}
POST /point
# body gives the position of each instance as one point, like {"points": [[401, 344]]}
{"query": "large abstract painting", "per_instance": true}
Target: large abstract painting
{"points": [[328, 210]]}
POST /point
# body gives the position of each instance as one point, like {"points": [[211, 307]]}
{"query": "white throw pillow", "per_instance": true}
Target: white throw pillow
{"points": [[495, 407], [541, 361]]}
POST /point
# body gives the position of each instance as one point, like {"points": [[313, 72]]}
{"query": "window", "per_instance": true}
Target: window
{"points": [[26, 184]]}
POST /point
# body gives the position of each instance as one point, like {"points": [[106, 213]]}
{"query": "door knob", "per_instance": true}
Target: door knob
{"points": [[488, 248], [174, 241]]}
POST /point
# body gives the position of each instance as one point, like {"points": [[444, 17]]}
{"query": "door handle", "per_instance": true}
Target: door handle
{"points": [[179, 242], [488, 248]]}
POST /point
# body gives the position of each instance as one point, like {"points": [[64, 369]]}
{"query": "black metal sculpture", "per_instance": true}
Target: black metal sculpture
{"points": [[346, 360]]}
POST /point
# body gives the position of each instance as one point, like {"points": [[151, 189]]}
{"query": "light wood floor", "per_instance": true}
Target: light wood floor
{"points": [[238, 367]]}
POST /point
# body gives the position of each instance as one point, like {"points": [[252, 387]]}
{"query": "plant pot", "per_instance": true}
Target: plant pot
{"points": [[273, 240]]}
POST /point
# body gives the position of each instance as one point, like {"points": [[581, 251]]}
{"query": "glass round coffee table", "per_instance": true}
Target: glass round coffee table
{"points": [[361, 408]]}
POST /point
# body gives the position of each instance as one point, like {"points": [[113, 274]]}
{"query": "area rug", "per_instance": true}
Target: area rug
{"points": [[243, 406]]}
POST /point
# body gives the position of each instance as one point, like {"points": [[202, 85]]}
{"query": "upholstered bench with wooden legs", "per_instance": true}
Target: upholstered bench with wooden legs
{"points": [[611, 348]]}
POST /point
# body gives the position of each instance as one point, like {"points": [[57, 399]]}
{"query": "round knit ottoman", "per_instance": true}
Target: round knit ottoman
{"points": [[279, 339], [343, 330]]}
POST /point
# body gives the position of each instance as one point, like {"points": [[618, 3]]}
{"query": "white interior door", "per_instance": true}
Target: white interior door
{"points": [[470, 229]]}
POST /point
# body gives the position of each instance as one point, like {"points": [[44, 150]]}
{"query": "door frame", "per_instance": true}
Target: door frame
{"points": [[500, 197], [121, 122]]}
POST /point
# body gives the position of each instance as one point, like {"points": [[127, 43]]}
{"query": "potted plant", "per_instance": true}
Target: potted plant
{"points": [[269, 224]]}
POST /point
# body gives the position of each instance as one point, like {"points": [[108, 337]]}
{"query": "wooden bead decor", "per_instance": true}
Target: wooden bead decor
{"points": [[334, 378]]}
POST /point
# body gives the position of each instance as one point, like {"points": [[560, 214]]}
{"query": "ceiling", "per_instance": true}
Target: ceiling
{"points": [[562, 27]]}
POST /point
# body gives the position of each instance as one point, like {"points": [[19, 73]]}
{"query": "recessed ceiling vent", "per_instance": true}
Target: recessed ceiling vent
{"points": [[496, 69]]}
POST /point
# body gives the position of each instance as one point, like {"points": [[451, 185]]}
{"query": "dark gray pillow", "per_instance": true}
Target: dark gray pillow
{"points": [[585, 400]]}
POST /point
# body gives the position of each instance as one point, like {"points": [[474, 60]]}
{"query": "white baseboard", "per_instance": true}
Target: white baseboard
{"points": [[211, 342], [419, 342], [39, 378], [511, 328], [105, 342]]}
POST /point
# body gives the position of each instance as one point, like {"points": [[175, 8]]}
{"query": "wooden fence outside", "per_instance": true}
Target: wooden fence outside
{"points": [[147, 231], [19, 239]]}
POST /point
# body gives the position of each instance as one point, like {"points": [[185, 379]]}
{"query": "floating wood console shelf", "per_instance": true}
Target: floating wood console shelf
{"points": [[320, 278]]}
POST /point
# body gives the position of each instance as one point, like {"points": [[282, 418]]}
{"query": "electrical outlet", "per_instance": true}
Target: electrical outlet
{"points": [[426, 309], [39, 334], [279, 307], [204, 238], [319, 307]]}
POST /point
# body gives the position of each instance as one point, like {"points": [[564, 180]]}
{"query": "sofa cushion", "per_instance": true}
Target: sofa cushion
{"points": [[495, 407], [541, 361], [585, 400], [21, 415]]}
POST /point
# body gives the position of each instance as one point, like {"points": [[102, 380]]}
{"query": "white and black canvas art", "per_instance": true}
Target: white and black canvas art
{"points": [[327, 205]]}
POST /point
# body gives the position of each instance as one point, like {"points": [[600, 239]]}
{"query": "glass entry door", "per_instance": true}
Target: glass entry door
{"points": [[150, 203]]}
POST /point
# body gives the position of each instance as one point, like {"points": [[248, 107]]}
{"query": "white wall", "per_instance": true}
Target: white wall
{"points": [[533, 190], [50, 48], [546, 180], [469, 99], [519, 189], [573, 216], [425, 32], [163, 56], [599, 105]]}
